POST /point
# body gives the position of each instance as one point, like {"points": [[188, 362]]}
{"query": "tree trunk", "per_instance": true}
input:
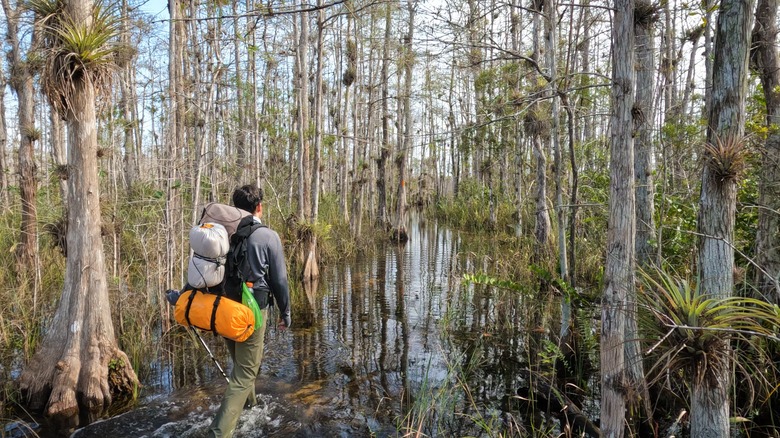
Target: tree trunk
{"points": [[21, 82], [242, 164], [302, 85], [765, 60], [644, 150], [255, 150], [717, 204], [585, 52], [311, 270], [362, 140], [28, 181], [452, 124], [619, 269], [474, 60], [383, 218], [689, 83], [571, 277], [3, 143], [126, 103], [78, 369], [551, 44], [59, 152], [174, 140], [205, 127], [516, 34], [645, 226], [709, 8], [542, 225], [356, 186], [344, 173], [399, 232]]}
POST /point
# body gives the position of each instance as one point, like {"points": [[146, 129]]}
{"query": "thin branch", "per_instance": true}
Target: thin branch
{"points": [[266, 12], [660, 341], [742, 254], [723, 330]]}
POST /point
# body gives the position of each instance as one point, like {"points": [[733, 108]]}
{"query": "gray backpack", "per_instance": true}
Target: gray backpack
{"points": [[210, 243]]}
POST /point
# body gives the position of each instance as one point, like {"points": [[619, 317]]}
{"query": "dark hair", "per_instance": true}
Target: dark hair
{"points": [[248, 197]]}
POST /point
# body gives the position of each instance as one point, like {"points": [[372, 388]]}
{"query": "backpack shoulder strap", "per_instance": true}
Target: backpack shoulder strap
{"points": [[238, 248], [246, 227]]}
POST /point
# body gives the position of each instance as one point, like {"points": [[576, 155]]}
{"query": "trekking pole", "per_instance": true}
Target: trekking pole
{"points": [[197, 335], [172, 296]]}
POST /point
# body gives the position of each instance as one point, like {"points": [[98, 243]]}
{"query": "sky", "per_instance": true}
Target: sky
{"points": [[156, 8]]}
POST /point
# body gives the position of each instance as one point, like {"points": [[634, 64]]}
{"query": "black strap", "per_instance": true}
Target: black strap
{"points": [[191, 298], [189, 305], [213, 324], [246, 227], [203, 213], [214, 314], [219, 261]]}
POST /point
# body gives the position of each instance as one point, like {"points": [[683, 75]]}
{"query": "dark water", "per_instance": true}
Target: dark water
{"points": [[386, 345]]}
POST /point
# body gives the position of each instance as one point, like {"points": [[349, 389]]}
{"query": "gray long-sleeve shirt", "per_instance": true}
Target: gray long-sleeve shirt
{"points": [[265, 255]]}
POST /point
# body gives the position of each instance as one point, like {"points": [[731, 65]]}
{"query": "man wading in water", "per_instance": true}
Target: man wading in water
{"points": [[266, 271]]}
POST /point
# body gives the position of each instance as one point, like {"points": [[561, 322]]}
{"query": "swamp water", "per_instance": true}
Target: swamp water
{"points": [[388, 344]]}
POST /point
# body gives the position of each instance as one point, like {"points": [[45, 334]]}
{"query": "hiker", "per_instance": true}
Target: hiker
{"points": [[266, 271]]}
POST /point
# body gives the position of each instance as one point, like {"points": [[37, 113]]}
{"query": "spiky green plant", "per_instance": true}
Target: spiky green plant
{"points": [[75, 50], [726, 157], [689, 330], [45, 10]]}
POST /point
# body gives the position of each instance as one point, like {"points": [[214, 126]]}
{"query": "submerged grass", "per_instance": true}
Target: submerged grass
{"points": [[499, 331]]}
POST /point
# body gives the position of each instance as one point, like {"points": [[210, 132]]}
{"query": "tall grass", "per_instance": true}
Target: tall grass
{"points": [[470, 210], [26, 312]]}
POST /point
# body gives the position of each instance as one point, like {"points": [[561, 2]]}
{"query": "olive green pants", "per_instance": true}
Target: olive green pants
{"points": [[240, 392]]}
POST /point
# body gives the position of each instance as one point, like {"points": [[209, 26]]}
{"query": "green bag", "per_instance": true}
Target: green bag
{"points": [[248, 299]]}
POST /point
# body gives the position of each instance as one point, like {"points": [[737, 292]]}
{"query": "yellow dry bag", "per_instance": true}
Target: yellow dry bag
{"points": [[215, 313]]}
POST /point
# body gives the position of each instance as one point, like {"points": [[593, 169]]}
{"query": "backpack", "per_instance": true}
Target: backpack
{"points": [[237, 264], [219, 263]]}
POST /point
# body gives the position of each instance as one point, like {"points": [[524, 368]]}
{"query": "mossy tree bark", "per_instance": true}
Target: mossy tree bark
{"points": [[79, 370]]}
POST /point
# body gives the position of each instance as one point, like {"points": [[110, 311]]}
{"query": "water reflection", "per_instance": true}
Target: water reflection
{"points": [[379, 343]]}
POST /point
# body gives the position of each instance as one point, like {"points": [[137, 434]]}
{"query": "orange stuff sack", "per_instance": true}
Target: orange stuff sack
{"points": [[215, 313]]}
